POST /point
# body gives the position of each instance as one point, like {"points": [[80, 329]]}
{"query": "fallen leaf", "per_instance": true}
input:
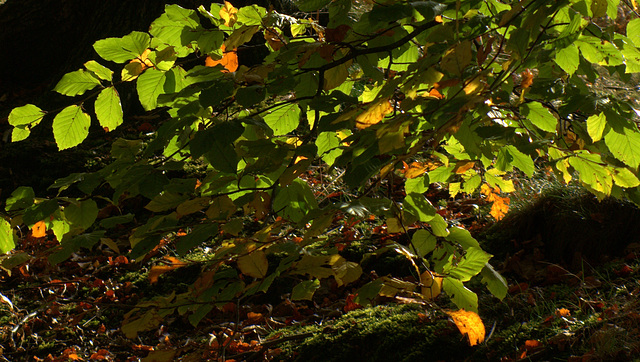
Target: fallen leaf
{"points": [[470, 324]]}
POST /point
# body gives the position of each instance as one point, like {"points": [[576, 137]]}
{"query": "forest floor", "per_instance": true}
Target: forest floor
{"points": [[556, 308]]}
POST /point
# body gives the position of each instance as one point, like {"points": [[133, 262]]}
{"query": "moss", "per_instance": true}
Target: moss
{"points": [[380, 333]]}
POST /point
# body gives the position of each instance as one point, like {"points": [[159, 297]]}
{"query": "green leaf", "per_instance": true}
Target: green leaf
{"points": [[523, 162], [633, 31], [150, 86], [99, 70], [177, 27], [311, 5], [251, 95], [76, 83], [7, 237], [120, 50], [424, 242], [473, 262], [40, 212], [328, 143], [417, 185], [166, 201], [462, 297], [108, 109], [294, 201], [20, 198], [625, 146], [596, 125], [283, 119], [496, 284], [463, 237], [420, 207], [368, 292], [223, 157], [568, 58], [197, 236], [26, 115], [71, 127], [592, 173], [114, 221], [623, 177], [304, 290], [82, 214], [540, 116]]}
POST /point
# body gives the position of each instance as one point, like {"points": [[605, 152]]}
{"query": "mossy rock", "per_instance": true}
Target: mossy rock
{"points": [[382, 333], [568, 225]]}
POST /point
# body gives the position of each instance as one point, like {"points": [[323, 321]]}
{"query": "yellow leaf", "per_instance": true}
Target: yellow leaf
{"points": [[39, 230], [500, 207], [374, 114], [136, 66], [470, 324], [254, 264], [229, 14], [456, 59], [431, 285]]}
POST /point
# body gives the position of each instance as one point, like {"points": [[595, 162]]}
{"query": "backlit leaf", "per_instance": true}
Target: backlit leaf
{"points": [[71, 127], [108, 109], [7, 237], [568, 59], [100, 70], [625, 146], [39, 230], [374, 113], [431, 285], [150, 85], [540, 116], [283, 119], [229, 60], [462, 297], [596, 125], [28, 114], [76, 83], [229, 14], [469, 324]]}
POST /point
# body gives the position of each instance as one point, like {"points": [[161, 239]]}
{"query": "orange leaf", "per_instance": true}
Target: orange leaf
{"points": [[229, 60], [468, 323], [157, 270], [527, 79], [374, 114], [563, 312], [229, 14], [435, 94], [463, 166], [39, 230]]}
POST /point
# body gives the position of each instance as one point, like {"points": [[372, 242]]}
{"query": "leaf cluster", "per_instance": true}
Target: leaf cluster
{"points": [[463, 91]]}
